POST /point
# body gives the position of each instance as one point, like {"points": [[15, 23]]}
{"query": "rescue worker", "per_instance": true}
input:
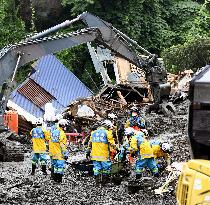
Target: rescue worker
{"points": [[39, 147], [144, 152], [100, 142], [161, 149], [110, 128], [62, 124], [135, 120], [57, 150], [128, 133]]}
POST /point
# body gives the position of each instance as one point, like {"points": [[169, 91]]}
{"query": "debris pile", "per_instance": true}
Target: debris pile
{"points": [[18, 187], [10, 148]]}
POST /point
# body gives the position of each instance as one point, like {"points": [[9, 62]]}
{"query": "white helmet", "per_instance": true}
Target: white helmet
{"points": [[129, 131], [39, 121], [112, 116], [166, 147], [59, 117], [62, 122], [107, 124]]}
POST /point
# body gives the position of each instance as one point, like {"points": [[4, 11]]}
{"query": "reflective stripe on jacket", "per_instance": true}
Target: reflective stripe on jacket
{"points": [[38, 140], [157, 151], [135, 121], [57, 143], [141, 146], [101, 139]]}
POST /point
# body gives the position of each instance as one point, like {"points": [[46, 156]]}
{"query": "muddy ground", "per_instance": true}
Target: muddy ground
{"points": [[18, 187]]}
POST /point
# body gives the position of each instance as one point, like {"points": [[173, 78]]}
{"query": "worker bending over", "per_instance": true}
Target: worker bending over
{"points": [[144, 152], [124, 154], [57, 150], [100, 142], [39, 147], [161, 149]]}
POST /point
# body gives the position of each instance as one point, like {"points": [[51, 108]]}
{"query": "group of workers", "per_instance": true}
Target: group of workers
{"points": [[51, 140], [135, 144], [101, 144]]}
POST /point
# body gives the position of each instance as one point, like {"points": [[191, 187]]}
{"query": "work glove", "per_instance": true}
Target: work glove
{"points": [[66, 158], [65, 155]]}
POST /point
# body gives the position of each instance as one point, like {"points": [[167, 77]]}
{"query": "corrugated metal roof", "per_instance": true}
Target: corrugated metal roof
{"points": [[26, 104], [35, 93], [53, 76], [56, 79]]}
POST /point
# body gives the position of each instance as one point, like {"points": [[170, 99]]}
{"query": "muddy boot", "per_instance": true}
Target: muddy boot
{"points": [[59, 178], [44, 169], [105, 179], [33, 169], [55, 177], [97, 179], [138, 176], [156, 174], [52, 173]]}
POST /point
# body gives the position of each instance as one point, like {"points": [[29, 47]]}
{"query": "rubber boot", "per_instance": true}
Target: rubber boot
{"points": [[97, 179], [156, 174], [44, 169], [138, 176], [59, 178], [52, 173], [55, 177], [105, 179], [33, 169]]}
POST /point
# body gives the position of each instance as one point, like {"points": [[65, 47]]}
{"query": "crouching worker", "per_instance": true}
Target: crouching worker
{"points": [[161, 149], [39, 147], [124, 153], [100, 142], [144, 153], [57, 151]]}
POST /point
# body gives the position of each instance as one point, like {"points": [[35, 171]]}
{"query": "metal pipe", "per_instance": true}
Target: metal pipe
{"points": [[132, 41], [54, 29], [16, 67]]}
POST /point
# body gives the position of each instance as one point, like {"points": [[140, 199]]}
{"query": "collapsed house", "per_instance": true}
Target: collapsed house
{"points": [[50, 81], [128, 83]]}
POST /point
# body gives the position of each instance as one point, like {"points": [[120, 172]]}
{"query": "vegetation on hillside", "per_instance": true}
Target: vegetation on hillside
{"points": [[177, 30]]}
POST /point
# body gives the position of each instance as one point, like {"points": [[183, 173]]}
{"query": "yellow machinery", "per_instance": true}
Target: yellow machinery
{"points": [[193, 187], [194, 183]]}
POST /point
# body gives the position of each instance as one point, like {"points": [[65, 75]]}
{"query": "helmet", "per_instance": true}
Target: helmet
{"points": [[62, 122], [112, 116], [107, 124], [49, 117], [39, 121], [134, 111], [166, 147], [129, 131], [59, 117]]}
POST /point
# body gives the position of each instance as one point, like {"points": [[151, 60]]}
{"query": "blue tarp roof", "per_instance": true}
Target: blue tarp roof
{"points": [[57, 80]]}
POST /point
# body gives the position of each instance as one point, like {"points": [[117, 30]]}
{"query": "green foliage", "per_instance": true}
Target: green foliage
{"points": [[176, 29], [11, 26], [78, 60], [22, 73], [154, 24], [191, 55], [195, 52]]}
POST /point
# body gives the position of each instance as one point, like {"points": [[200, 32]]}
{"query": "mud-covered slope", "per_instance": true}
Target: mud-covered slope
{"points": [[18, 187]]}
